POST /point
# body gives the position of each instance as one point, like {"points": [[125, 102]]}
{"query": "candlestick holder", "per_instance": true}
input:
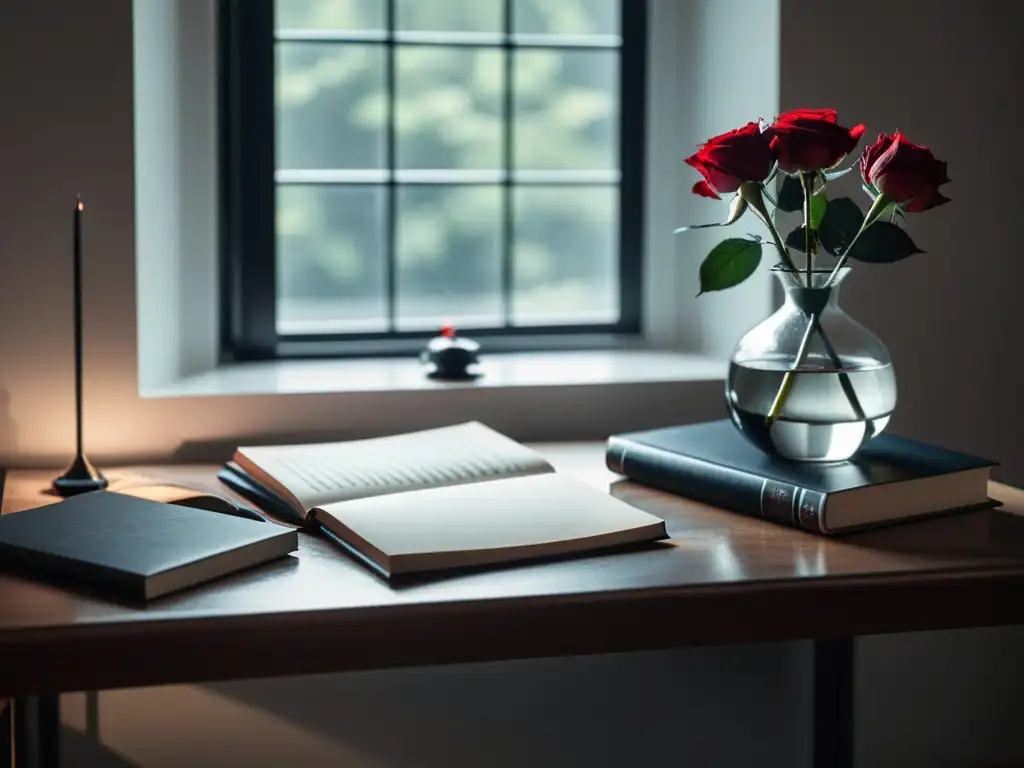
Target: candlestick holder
{"points": [[81, 476]]}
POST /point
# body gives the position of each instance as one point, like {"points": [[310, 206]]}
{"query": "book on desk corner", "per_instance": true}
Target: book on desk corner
{"points": [[463, 496], [891, 479], [139, 548]]}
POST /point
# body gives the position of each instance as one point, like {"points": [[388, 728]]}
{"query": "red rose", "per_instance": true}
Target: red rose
{"points": [[810, 140], [728, 160], [907, 172]]}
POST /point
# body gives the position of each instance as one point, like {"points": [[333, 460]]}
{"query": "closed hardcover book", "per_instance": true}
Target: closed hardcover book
{"points": [[891, 479], [138, 548]]}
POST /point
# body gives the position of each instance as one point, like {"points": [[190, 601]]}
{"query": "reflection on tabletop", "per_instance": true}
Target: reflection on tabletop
{"points": [[737, 544]]}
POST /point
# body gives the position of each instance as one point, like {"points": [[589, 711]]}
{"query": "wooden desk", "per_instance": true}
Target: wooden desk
{"points": [[722, 579]]}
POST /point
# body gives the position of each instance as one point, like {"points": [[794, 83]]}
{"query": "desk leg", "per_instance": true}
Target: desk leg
{"points": [[36, 732], [833, 703]]}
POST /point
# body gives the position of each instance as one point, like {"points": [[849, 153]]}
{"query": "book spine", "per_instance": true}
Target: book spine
{"points": [[721, 486]]}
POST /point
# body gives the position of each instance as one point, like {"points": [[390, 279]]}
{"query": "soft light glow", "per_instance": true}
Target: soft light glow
{"points": [[448, 331], [80, 206]]}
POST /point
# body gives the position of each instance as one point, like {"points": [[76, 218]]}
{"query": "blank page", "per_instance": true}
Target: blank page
{"points": [[486, 523], [330, 472]]}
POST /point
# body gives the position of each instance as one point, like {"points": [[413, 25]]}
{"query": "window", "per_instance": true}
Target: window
{"points": [[392, 165]]}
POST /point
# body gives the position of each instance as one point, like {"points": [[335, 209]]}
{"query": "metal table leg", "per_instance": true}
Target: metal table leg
{"points": [[833, 703], [35, 732]]}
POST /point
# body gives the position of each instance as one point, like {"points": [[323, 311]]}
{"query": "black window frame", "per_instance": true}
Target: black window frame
{"points": [[248, 295]]}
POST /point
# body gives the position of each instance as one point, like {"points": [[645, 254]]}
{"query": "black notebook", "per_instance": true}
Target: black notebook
{"points": [[141, 549], [890, 479]]}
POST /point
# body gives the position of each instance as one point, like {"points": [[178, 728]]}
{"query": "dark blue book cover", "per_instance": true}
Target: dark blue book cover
{"points": [[140, 548], [714, 463]]}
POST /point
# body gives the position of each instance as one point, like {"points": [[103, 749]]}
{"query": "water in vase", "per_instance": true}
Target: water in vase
{"points": [[820, 420]]}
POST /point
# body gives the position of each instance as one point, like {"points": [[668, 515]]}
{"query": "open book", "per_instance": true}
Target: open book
{"points": [[458, 496]]}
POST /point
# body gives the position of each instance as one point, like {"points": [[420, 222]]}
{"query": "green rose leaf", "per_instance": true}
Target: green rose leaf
{"points": [[730, 263], [839, 225], [791, 194], [819, 203], [883, 243]]}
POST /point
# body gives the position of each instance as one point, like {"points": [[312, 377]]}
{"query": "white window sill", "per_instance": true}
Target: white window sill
{"points": [[504, 371]]}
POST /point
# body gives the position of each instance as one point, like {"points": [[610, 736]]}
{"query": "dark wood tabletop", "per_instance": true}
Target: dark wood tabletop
{"points": [[720, 579]]}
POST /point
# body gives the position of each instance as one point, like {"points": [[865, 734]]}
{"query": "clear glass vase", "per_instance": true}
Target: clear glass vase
{"points": [[810, 383]]}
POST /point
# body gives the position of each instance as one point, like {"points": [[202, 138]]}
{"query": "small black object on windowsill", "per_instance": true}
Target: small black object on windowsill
{"points": [[81, 476], [451, 358]]}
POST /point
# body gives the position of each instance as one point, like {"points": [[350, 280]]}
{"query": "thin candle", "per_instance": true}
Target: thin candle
{"points": [[77, 289]]}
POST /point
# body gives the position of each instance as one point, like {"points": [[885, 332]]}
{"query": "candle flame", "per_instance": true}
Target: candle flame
{"points": [[80, 206]]}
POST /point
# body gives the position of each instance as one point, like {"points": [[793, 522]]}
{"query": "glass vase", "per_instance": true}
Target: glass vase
{"points": [[810, 383]]}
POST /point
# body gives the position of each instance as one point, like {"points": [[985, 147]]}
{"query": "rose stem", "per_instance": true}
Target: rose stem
{"points": [[808, 237], [787, 380], [873, 213], [751, 192], [844, 379], [814, 323]]}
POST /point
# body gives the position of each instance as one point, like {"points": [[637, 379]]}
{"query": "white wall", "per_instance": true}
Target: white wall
{"points": [[175, 146], [695, 91]]}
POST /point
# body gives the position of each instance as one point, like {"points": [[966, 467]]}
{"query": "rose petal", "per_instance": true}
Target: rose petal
{"points": [[887, 157], [869, 157], [826, 115], [721, 179], [704, 189], [714, 175]]}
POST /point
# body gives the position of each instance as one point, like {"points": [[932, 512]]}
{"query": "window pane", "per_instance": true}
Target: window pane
{"points": [[450, 15], [330, 14], [567, 17], [566, 110], [448, 107], [331, 105], [449, 256], [331, 267], [565, 255]]}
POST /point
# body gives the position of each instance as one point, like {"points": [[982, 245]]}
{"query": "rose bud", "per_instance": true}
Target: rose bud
{"points": [[810, 140], [907, 172], [728, 160]]}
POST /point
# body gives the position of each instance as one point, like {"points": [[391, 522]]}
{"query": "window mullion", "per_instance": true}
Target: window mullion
{"points": [[391, 234], [508, 160], [632, 159], [248, 193]]}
